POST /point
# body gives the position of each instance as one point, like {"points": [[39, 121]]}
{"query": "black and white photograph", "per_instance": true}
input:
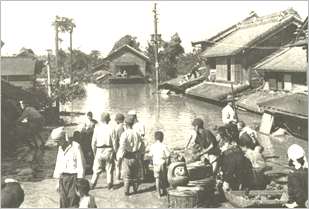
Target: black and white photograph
{"points": [[144, 104]]}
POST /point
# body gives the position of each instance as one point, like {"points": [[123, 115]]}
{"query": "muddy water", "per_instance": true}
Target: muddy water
{"points": [[172, 114]]}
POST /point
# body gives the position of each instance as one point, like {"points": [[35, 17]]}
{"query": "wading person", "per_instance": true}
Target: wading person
{"points": [[194, 70], [30, 122], [160, 155], [247, 134], [103, 146], [140, 129], [70, 165], [89, 125], [297, 178], [207, 141], [119, 129], [232, 165], [228, 113], [82, 190], [130, 147]]}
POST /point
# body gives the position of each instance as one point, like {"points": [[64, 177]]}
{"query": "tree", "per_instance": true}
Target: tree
{"points": [[187, 61], [95, 58], [171, 53], [150, 52], [127, 40]]}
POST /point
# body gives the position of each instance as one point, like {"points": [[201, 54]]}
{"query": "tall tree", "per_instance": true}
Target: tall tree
{"points": [[187, 61], [171, 54], [127, 40]]}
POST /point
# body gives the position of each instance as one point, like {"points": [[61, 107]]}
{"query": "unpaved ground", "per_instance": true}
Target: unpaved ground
{"points": [[43, 195]]}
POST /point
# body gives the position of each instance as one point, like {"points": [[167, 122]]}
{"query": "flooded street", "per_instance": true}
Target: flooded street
{"points": [[171, 114]]}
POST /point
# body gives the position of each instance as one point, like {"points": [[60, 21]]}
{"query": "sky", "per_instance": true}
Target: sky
{"points": [[99, 24]]}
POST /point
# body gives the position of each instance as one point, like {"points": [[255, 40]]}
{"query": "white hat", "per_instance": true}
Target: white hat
{"points": [[295, 152], [57, 133], [131, 112]]}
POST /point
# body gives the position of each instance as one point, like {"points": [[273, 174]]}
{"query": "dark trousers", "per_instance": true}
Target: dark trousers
{"points": [[68, 196], [193, 73]]}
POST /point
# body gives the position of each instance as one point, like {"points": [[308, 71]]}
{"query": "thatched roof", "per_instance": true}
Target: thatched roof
{"points": [[288, 60]]}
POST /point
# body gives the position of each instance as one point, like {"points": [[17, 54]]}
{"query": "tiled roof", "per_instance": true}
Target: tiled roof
{"points": [[293, 104], [289, 60], [17, 66], [247, 36], [223, 28], [131, 49], [215, 91]]}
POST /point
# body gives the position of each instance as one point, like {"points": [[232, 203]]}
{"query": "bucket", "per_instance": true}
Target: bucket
{"points": [[208, 185], [184, 198]]}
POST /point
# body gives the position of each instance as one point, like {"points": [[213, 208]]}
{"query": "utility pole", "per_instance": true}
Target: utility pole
{"points": [[156, 46], [49, 51], [71, 55], [57, 64]]}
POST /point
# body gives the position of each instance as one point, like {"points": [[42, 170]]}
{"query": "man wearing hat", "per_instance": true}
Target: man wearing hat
{"points": [[119, 129], [139, 128], [70, 165], [208, 144], [30, 121], [130, 147], [297, 178], [228, 113], [104, 146]]}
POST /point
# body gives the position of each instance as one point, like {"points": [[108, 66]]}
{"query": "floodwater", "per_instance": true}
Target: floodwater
{"points": [[171, 114]]}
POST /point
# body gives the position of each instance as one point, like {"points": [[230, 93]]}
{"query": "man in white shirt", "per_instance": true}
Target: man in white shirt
{"points": [[228, 113], [140, 129], [104, 146], [131, 146], [70, 165]]}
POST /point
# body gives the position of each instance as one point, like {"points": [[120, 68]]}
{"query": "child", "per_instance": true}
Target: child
{"points": [[259, 161], [82, 190], [160, 155]]}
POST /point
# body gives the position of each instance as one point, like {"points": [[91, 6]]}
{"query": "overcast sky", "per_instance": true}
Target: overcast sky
{"points": [[101, 23]]}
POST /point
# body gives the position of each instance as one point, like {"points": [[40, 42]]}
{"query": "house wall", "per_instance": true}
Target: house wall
{"points": [[221, 68], [290, 81], [24, 81], [245, 60], [127, 56]]}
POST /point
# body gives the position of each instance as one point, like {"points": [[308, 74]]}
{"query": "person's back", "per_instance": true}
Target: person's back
{"points": [[160, 154], [298, 185]]}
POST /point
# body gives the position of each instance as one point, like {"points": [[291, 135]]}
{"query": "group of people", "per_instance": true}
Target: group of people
{"points": [[237, 157], [119, 148]]}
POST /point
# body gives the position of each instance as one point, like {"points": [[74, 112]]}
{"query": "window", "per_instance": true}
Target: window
{"points": [[212, 63], [228, 63]]}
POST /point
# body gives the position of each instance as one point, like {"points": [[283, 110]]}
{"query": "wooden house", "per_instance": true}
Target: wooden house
{"points": [[252, 40], [285, 70], [127, 65], [21, 69]]}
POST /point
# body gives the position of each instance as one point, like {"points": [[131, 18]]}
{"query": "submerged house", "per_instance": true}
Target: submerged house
{"points": [[127, 65], [234, 56], [21, 69], [284, 73]]}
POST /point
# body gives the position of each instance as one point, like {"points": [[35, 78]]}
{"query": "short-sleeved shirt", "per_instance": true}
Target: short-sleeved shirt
{"points": [[159, 152], [87, 202], [228, 114], [205, 138], [139, 128], [119, 129], [104, 135]]}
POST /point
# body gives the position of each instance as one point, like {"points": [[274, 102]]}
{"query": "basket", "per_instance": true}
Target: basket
{"points": [[184, 198]]}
